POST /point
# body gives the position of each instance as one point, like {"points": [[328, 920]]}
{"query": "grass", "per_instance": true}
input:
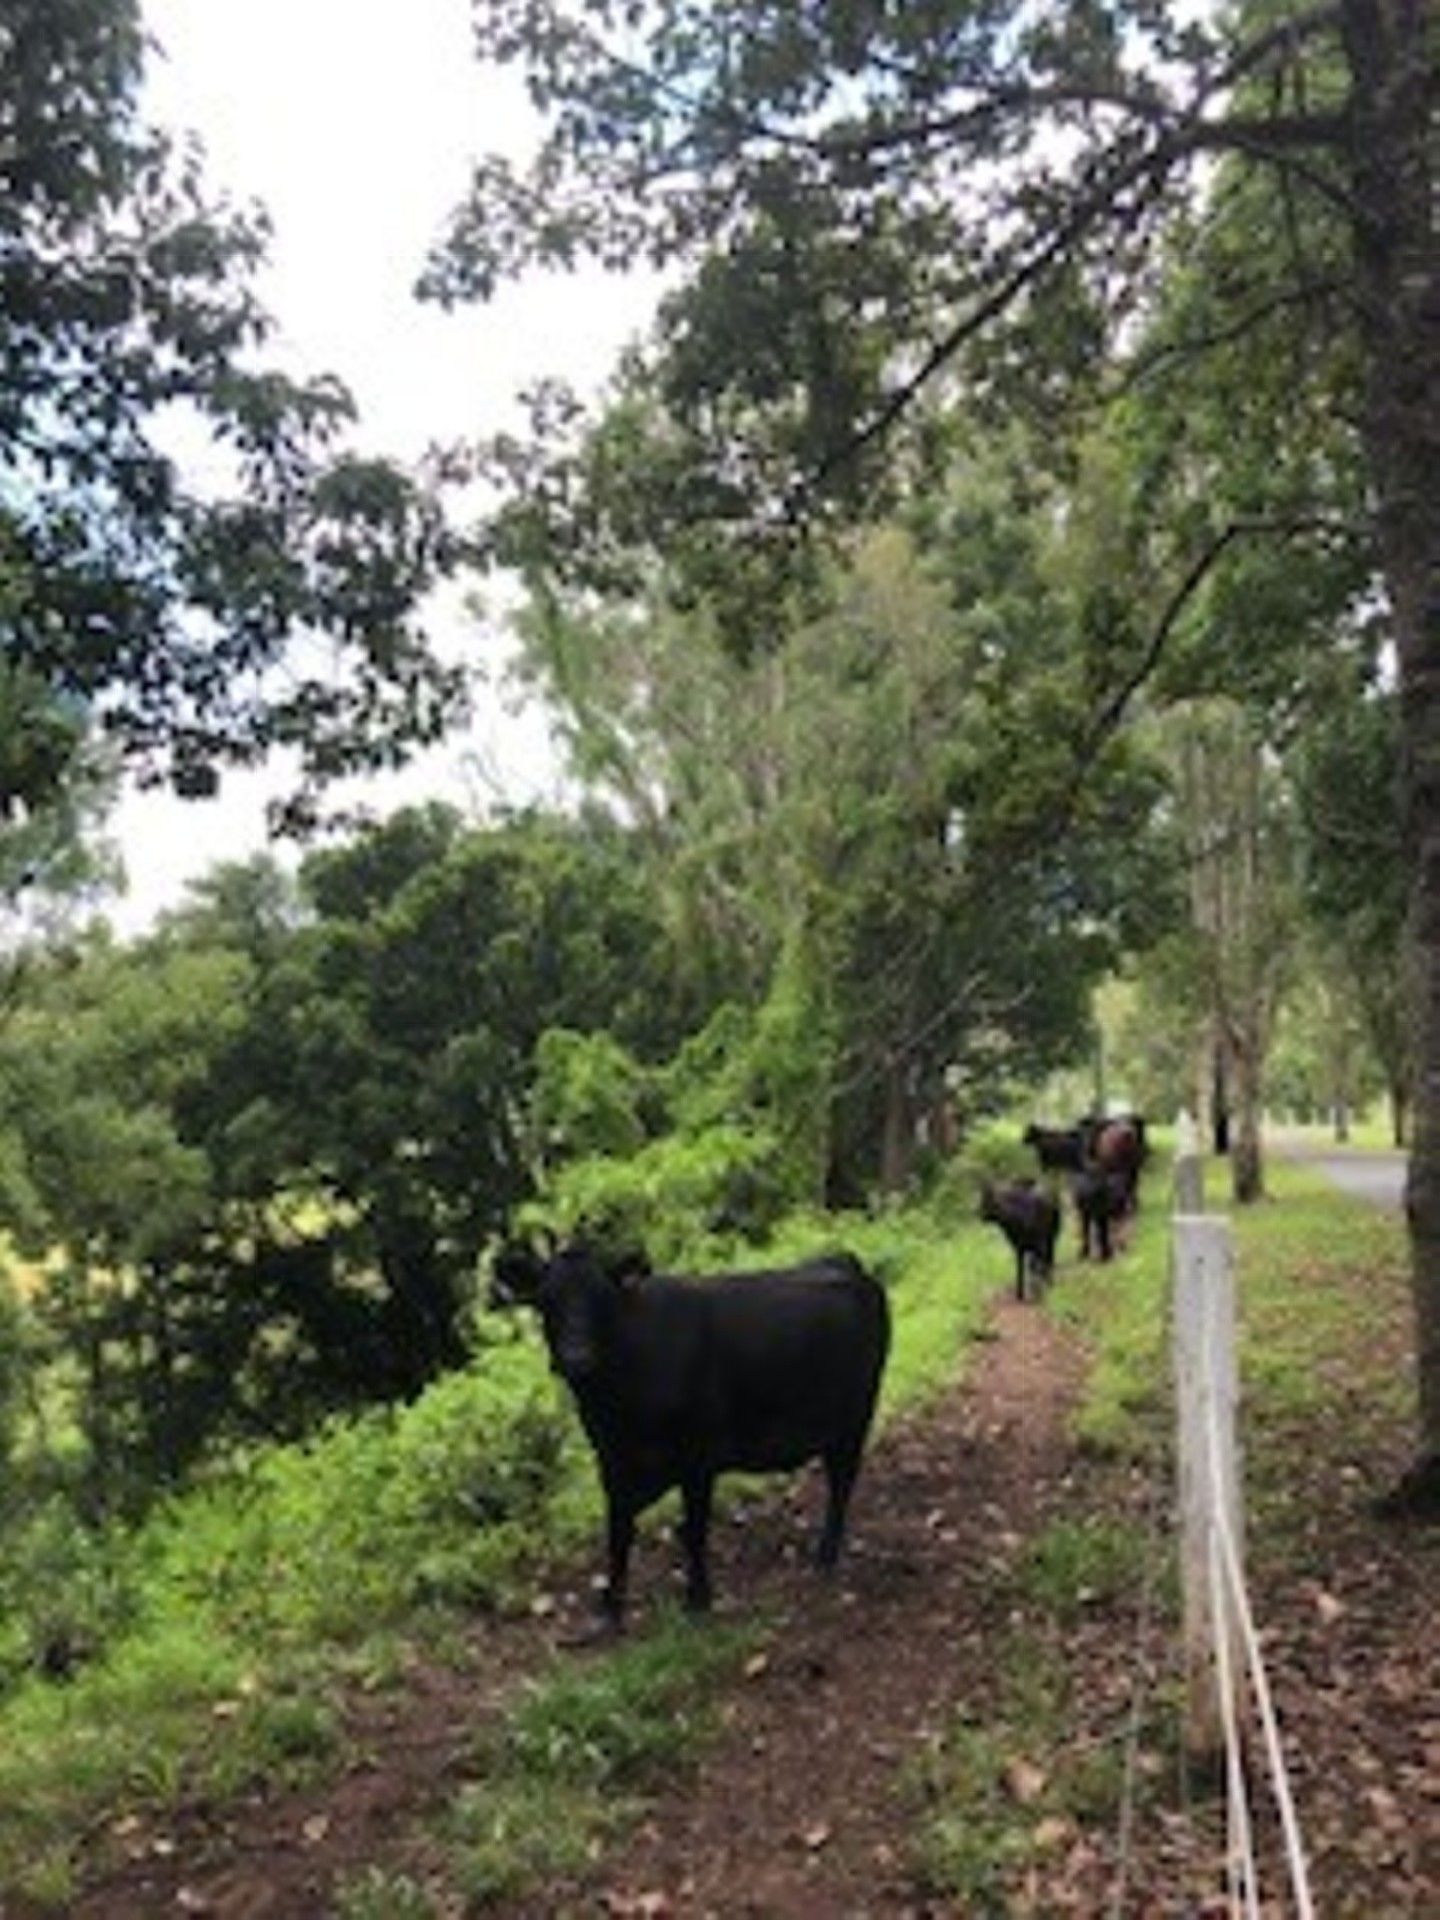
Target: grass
{"points": [[1323, 1310], [1119, 1309], [574, 1759], [250, 1603], [991, 1795]]}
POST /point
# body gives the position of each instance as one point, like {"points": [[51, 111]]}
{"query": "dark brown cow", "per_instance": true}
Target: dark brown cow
{"points": [[1117, 1150]]}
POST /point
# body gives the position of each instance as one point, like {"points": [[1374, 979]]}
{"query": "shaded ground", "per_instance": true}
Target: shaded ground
{"points": [[806, 1807]]}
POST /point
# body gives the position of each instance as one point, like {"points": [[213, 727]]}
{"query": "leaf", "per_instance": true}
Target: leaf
{"points": [[1024, 1781]]}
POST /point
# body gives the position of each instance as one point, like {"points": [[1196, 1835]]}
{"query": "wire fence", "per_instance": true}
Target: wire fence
{"points": [[1231, 1715]]}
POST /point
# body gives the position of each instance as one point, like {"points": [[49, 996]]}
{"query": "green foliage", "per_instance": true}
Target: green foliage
{"points": [[129, 304], [445, 1500], [375, 1894], [267, 1145], [672, 1193], [588, 1096], [15, 1372], [740, 1111], [66, 1592]]}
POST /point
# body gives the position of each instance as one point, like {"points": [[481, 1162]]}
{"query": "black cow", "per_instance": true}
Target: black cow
{"points": [[677, 1380], [1101, 1199], [1058, 1149], [1029, 1217]]}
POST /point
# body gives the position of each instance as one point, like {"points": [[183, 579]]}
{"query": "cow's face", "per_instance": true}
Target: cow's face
{"points": [[579, 1298]]}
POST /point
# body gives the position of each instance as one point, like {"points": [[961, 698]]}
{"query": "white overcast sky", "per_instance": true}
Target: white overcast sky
{"points": [[354, 122]]}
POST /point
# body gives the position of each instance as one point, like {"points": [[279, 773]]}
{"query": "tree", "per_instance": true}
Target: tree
{"points": [[1322, 1067], [858, 804], [993, 160], [95, 1064], [130, 599], [367, 1125], [1243, 912]]}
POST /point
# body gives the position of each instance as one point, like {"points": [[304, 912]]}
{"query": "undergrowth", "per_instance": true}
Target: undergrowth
{"points": [[209, 1643]]}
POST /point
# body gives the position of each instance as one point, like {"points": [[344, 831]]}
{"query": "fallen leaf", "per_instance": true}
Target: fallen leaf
{"points": [[316, 1828], [1053, 1832], [815, 1837], [757, 1664], [1024, 1781], [1328, 1607]]}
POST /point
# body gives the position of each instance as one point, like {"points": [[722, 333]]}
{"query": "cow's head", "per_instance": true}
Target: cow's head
{"points": [[581, 1296], [577, 1289], [515, 1275]]}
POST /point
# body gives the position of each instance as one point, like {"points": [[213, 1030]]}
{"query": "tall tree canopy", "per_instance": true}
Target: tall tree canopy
{"points": [[129, 596], [868, 203]]}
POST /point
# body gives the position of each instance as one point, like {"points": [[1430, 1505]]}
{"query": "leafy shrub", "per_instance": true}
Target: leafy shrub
{"points": [[996, 1154], [588, 1095], [673, 1192], [442, 1499], [65, 1591]]}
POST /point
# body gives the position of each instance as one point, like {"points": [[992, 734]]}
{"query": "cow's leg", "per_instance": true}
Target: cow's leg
{"points": [[696, 1494], [620, 1537], [842, 1464]]}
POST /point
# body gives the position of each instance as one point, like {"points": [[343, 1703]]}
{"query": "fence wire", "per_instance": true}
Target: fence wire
{"points": [[1232, 1619]]}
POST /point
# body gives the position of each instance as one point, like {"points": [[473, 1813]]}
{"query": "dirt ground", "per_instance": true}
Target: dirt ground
{"points": [[801, 1810]]}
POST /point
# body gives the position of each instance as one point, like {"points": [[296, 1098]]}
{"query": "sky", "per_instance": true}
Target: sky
{"points": [[354, 122]]}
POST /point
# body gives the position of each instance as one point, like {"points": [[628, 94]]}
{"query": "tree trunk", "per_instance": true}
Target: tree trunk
{"points": [[1247, 1168], [897, 1143], [1393, 50], [1219, 1099]]}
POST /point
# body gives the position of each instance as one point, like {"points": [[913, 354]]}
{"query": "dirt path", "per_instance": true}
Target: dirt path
{"points": [[794, 1811]]}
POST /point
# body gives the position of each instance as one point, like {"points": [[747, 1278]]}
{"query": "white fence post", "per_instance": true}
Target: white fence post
{"points": [[1206, 1394], [1189, 1167]]}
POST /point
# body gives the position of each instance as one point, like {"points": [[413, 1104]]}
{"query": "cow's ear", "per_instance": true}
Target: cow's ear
{"points": [[515, 1275], [626, 1266]]}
